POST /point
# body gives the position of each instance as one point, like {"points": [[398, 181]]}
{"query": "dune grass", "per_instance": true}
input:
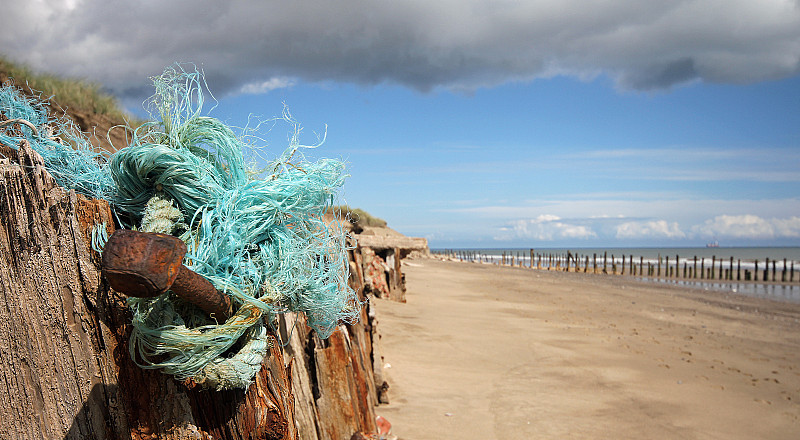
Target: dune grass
{"points": [[359, 216], [66, 93]]}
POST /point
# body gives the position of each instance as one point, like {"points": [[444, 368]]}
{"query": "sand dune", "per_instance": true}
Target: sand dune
{"points": [[486, 352]]}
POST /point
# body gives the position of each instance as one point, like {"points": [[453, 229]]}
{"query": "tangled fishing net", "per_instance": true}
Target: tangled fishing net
{"points": [[258, 237]]}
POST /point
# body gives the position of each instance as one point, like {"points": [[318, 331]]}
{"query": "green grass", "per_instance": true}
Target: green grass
{"points": [[66, 92], [359, 216]]}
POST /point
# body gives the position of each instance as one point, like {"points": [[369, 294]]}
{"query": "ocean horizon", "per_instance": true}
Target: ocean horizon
{"points": [[744, 258], [747, 254]]}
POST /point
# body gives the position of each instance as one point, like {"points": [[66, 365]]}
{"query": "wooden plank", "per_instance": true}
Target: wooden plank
{"points": [[64, 336]]}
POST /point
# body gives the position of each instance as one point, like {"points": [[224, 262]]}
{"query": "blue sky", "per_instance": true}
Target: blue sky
{"points": [[560, 161], [489, 124]]}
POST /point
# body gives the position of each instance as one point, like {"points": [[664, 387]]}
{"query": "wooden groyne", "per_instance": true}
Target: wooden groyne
{"points": [[65, 341], [675, 266]]}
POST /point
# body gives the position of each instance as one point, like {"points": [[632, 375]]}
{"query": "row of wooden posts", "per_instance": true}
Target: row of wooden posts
{"points": [[713, 269]]}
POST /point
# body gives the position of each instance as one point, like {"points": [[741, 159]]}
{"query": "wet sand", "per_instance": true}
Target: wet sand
{"points": [[487, 352]]}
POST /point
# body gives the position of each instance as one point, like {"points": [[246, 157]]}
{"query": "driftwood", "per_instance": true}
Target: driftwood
{"points": [[66, 372]]}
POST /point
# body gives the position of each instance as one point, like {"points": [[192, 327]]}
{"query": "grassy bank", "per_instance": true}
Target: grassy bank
{"points": [[359, 217], [65, 92]]}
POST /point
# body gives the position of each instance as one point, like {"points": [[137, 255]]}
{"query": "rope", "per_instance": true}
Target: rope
{"points": [[262, 241], [25, 122], [220, 372]]}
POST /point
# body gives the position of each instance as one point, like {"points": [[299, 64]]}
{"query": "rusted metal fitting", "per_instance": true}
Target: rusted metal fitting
{"points": [[144, 264]]}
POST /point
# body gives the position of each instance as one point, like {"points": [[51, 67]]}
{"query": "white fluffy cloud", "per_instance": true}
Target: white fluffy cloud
{"points": [[461, 44], [649, 229], [267, 86], [641, 219], [750, 227], [551, 228], [545, 228]]}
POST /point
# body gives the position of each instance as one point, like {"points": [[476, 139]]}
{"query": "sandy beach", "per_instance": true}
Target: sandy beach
{"points": [[487, 352]]}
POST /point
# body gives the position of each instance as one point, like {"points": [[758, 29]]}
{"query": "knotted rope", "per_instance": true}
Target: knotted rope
{"points": [[263, 242]]}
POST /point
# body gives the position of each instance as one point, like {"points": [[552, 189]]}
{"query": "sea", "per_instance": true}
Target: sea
{"points": [[746, 258]]}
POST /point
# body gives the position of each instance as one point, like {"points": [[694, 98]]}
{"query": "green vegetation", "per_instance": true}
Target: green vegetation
{"points": [[359, 216], [68, 93]]}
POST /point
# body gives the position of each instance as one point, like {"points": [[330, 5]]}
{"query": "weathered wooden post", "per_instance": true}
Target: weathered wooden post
{"points": [[76, 381], [632, 267], [658, 267], [613, 265], [773, 270], [64, 338], [766, 270], [702, 268], [783, 274], [720, 269], [713, 267]]}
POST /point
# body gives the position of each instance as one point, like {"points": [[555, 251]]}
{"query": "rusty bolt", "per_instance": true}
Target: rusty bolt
{"points": [[144, 264]]}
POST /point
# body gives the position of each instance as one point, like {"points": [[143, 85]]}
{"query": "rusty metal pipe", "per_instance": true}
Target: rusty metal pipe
{"points": [[144, 264], [203, 293]]}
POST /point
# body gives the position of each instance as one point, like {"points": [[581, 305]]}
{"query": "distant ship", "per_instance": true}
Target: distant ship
{"points": [[713, 244]]}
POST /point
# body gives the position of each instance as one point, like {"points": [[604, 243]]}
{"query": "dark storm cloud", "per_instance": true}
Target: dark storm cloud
{"points": [[660, 76], [423, 44]]}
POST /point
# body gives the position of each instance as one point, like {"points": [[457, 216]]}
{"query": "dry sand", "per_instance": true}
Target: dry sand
{"points": [[486, 352]]}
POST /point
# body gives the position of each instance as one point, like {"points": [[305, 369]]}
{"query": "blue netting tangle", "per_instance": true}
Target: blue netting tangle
{"points": [[258, 237]]}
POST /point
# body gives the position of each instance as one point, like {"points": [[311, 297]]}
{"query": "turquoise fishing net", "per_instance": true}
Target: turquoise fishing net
{"points": [[258, 237], [68, 154]]}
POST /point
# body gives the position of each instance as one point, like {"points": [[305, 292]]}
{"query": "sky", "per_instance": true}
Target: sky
{"points": [[473, 123]]}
